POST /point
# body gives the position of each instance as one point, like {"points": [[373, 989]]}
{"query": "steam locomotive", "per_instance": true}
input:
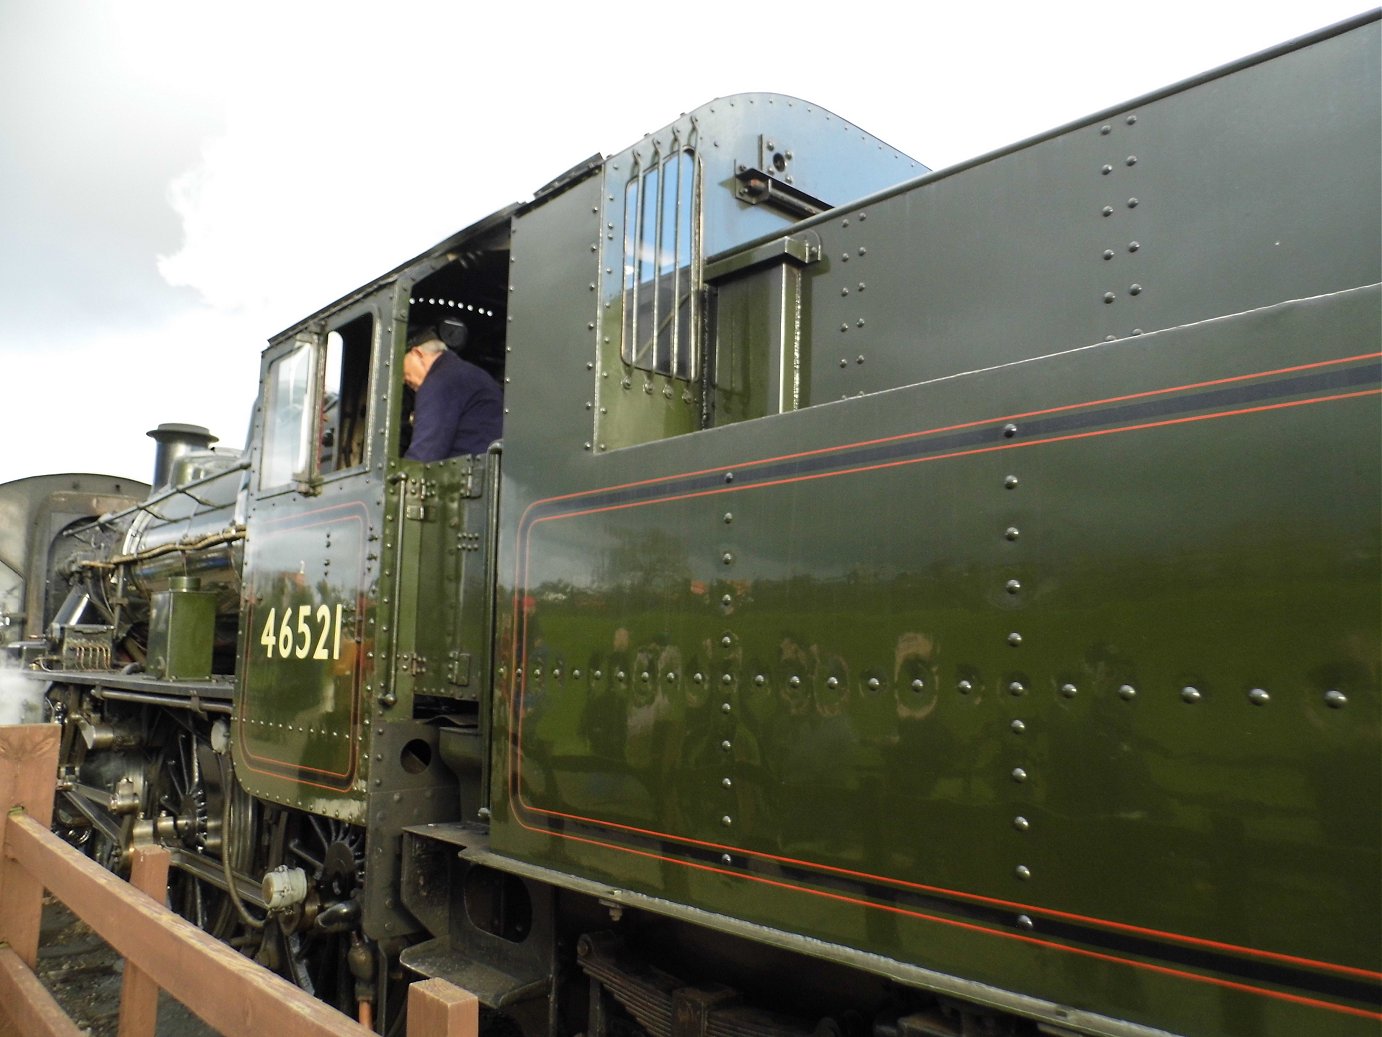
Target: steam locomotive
{"points": [[902, 603]]}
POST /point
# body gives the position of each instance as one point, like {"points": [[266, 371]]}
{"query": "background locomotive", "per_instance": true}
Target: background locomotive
{"points": [[902, 604]]}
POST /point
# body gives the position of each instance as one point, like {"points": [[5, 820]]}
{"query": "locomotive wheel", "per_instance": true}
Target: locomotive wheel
{"points": [[193, 783], [332, 853]]}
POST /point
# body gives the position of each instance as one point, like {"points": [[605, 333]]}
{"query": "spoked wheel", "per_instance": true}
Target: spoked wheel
{"points": [[326, 954], [194, 782]]}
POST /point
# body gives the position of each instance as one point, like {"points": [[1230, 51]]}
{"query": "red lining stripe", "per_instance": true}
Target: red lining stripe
{"points": [[1188, 940]]}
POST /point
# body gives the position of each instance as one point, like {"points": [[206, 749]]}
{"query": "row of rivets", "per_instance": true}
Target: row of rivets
{"points": [[1257, 696]]}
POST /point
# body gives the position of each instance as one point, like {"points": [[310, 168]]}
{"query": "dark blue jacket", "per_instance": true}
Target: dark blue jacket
{"points": [[458, 409]]}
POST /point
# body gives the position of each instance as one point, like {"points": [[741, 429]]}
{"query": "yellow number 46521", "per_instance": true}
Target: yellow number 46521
{"points": [[315, 632]]}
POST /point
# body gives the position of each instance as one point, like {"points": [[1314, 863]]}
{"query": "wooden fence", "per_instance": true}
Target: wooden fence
{"points": [[162, 950]]}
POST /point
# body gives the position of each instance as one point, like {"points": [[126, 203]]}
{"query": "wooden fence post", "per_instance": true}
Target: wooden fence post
{"points": [[28, 777], [437, 1008], [138, 992]]}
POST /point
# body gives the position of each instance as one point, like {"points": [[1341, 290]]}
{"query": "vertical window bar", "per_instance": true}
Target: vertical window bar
{"points": [[686, 249], [647, 267], [631, 210], [667, 268]]}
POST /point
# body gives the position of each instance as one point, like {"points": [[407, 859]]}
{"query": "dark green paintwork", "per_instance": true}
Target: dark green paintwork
{"points": [[1219, 540], [824, 645]]}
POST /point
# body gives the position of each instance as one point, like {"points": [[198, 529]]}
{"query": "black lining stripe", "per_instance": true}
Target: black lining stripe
{"points": [[1159, 408], [1268, 389], [1359, 992]]}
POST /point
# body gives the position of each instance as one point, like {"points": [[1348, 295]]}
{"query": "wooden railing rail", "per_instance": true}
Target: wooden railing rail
{"points": [[231, 993]]}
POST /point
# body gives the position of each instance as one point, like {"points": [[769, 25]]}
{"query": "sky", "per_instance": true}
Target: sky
{"points": [[181, 180]]}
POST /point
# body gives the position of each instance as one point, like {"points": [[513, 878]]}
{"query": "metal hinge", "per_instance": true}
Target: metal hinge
{"points": [[472, 480], [458, 669]]}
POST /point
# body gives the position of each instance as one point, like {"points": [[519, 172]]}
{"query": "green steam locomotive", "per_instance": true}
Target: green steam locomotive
{"points": [[901, 604]]}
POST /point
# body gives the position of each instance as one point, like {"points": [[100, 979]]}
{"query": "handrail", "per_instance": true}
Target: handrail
{"points": [[230, 992]]}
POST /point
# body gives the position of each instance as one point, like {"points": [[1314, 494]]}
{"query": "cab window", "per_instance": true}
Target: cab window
{"points": [[288, 421], [345, 407]]}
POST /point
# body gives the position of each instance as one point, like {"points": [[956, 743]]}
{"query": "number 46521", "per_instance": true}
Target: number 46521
{"points": [[313, 632]]}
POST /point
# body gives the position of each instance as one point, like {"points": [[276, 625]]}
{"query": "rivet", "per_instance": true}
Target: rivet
{"points": [[726, 600], [698, 677], [729, 477], [863, 251], [726, 820], [727, 641], [1012, 533], [1133, 246], [620, 675], [759, 679], [645, 676], [598, 674], [964, 687], [1021, 824], [1024, 922], [1023, 872], [726, 678], [1108, 253], [726, 707], [918, 684], [1019, 775], [1131, 119], [1013, 586], [727, 558], [1069, 690], [1105, 130], [1109, 297], [576, 674], [726, 859], [860, 358], [843, 361], [832, 682], [1135, 289], [874, 684], [1132, 203], [1127, 692], [671, 677], [1017, 688], [1336, 699], [726, 745], [1258, 697], [1131, 160], [1108, 210], [1106, 170], [1018, 726], [844, 291], [729, 517], [1010, 482], [1009, 430], [1191, 695], [1015, 639], [727, 783]]}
